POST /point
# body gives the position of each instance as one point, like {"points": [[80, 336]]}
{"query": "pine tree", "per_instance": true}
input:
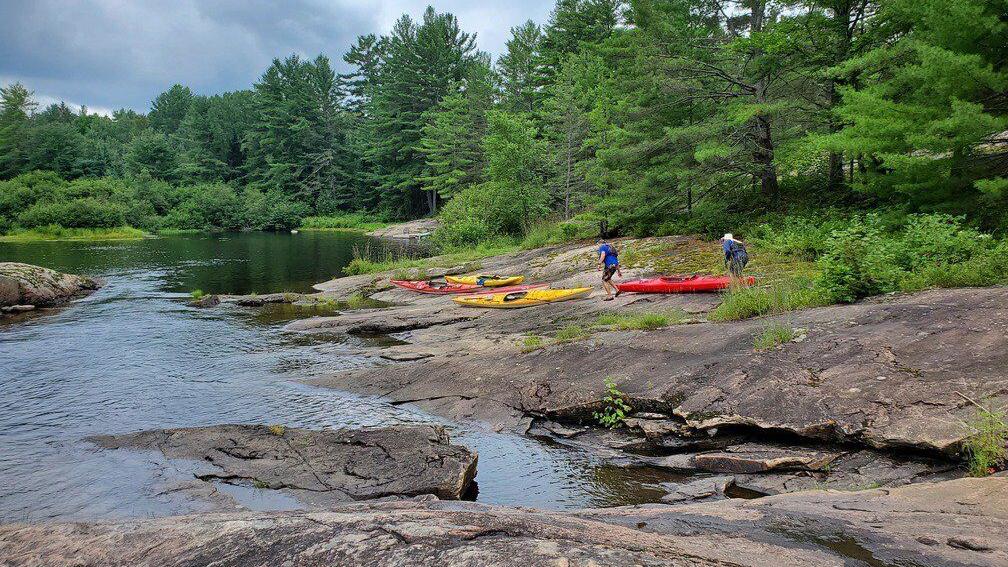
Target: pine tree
{"points": [[16, 105], [517, 68], [929, 100]]}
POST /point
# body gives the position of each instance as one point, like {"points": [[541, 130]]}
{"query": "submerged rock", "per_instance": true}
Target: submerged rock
{"points": [[25, 285], [961, 522], [328, 465], [205, 302]]}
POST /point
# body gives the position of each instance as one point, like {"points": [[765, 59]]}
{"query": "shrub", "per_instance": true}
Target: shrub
{"points": [[860, 262], [986, 449], [615, 409], [197, 294], [78, 213]]}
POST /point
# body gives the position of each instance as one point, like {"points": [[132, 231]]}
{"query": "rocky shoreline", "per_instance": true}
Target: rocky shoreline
{"points": [[25, 288]]}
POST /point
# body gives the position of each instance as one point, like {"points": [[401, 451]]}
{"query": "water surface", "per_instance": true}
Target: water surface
{"points": [[132, 356]]}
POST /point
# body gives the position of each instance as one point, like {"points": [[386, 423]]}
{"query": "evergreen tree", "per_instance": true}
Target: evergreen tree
{"points": [[423, 63], [928, 100], [298, 144], [16, 105], [169, 108], [517, 68]]}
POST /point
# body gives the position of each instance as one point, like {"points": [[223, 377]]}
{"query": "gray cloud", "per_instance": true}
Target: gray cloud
{"points": [[113, 53]]}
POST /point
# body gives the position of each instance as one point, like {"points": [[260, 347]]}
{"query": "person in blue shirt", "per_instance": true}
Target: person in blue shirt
{"points": [[609, 265]]}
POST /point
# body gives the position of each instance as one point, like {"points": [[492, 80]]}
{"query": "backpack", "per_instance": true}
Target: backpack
{"points": [[739, 254]]}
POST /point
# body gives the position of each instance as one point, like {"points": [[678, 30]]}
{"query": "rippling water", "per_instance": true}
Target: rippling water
{"points": [[132, 356]]}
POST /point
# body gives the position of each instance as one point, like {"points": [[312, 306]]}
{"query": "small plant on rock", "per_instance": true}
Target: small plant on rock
{"points": [[531, 343], [986, 448], [571, 333], [615, 409], [773, 334], [277, 430], [197, 294]]}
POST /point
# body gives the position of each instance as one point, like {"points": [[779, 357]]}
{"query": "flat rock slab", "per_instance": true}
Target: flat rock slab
{"points": [[883, 373], [340, 465], [955, 523], [710, 488], [758, 458], [25, 284]]}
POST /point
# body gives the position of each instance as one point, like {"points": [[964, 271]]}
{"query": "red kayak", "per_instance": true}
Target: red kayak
{"points": [[422, 286], [680, 284]]}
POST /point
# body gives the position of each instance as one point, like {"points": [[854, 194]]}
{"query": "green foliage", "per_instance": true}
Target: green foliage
{"points": [[772, 335], [197, 294], [987, 447], [930, 251], [56, 232], [615, 408]]}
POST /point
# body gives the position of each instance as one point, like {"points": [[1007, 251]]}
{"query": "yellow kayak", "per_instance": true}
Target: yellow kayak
{"points": [[488, 281], [520, 299]]}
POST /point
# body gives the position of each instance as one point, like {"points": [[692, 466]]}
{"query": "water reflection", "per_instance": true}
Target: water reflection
{"points": [[132, 356]]}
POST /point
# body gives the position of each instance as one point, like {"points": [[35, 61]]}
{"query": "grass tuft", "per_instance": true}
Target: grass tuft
{"points": [[773, 334], [571, 333], [277, 430], [531, 343], [746, 302]]}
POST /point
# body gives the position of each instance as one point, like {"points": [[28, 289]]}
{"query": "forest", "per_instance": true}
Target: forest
{"points": [[657, 116]]}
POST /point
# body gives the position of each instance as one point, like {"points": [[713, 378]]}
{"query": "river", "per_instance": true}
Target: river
{"points": [[133, 356]]}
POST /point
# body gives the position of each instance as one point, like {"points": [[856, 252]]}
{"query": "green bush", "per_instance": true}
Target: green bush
{"points": [[861, 261], [79, 213], [929, 251]]}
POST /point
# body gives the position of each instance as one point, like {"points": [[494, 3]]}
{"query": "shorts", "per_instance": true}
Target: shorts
{"points": [[608, 272]]}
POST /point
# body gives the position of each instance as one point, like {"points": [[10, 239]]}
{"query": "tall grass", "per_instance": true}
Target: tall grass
{"points": [[348, 221], [788, 295], [57, 232]]}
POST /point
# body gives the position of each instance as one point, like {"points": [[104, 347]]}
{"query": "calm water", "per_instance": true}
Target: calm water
{"points": [[132, 356]]}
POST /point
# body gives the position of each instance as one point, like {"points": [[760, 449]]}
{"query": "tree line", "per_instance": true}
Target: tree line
{"points": [[658, 115]]}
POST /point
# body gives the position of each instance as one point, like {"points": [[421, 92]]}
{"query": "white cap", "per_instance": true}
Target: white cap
{"points": [[728, 236]]}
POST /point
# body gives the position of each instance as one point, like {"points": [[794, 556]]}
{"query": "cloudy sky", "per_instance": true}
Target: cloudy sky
{"points": [[115, 53]]}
